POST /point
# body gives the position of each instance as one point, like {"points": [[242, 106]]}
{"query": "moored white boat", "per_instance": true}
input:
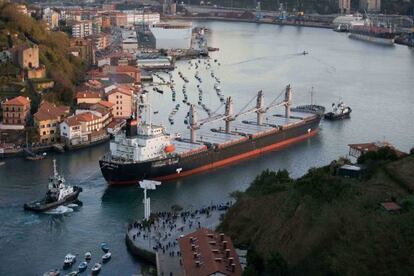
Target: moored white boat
{"points": [[70, 259], [83, 266], [88, 256], [105, 247], [96, 268], [106, 257]]}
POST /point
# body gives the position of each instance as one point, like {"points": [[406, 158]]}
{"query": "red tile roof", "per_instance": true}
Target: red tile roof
{"points": [[126, 69], [48, 111], [375, 146], [106, 104], [120, 90], [88, 95], [83, 117], [390, 206], [20, 100], [205, 252]]}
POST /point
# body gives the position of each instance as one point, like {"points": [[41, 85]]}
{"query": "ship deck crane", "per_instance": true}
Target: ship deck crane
{"points": [[228, 116]]}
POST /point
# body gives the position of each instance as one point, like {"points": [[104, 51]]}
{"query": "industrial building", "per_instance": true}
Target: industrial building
{"points": [[172, 36]]}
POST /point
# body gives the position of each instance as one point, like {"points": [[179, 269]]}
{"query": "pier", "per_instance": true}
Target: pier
{"points": [[156, 241]]}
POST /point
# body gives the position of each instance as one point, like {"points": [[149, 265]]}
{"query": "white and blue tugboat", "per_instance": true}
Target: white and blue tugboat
{"points": [[58, 194]]}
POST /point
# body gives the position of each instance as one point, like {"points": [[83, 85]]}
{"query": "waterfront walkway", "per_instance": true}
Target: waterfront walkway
{"points": [[159, 240]]}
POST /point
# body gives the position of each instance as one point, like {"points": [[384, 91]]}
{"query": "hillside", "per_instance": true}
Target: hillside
{"points": [[322, 224], [65, 69]]}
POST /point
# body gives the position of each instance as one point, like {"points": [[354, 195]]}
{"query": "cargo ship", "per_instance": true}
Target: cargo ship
{"points": [[373, 32], [147, 151]]}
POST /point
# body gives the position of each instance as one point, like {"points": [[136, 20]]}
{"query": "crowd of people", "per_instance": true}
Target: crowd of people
{"points": [[164, 228]]}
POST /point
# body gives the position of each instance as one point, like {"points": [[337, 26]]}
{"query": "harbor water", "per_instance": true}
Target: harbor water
{"points": [[376, 81]]}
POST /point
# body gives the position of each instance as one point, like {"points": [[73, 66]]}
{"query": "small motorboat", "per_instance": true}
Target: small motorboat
{"points": [[70, 259], [83, 266], [54, 272], [105, 247], [106, 257], [96, 268], [88, 256], [305, 53], [73, 273]]}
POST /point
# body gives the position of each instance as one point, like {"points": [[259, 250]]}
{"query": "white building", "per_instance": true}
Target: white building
{"points": [[129, 41], [370, 5], [51, 17], [82, 29], [172, 36], [78, 129], [135, 17], [344, 6]]}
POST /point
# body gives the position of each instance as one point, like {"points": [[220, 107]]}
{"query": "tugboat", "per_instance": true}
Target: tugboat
{"points": [[58, 194], [339, 112]]}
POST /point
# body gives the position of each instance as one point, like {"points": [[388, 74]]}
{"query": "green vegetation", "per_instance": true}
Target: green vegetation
{"points": [[65, 69], [321, 224]]}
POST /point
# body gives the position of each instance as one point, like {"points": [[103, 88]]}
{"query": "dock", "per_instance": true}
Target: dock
{"points": [[157, 243]]}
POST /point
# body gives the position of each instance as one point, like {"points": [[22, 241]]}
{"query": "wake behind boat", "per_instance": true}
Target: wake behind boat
{"points": [[58, 194]]}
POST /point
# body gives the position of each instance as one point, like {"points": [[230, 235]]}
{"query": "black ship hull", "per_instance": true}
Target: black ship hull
{"points": [[117, 173]]}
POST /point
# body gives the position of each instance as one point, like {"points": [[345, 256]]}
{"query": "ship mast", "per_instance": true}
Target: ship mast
{"points": [[260, 107], [55, 173], [228, 113], [144, 102], [193, 123], [288, 101]]}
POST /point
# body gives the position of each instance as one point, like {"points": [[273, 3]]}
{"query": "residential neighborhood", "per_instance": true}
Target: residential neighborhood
{"points": [[101, 102]]}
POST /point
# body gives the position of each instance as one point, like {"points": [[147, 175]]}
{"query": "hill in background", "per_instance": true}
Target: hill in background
{"points": [[65, 69], [321, 224]]}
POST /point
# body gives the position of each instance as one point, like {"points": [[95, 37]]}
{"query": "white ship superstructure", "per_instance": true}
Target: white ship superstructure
{"points": [[142, 140]]}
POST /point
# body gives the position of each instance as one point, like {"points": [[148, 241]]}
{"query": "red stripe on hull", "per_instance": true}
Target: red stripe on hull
{"points": [[226, 161]]}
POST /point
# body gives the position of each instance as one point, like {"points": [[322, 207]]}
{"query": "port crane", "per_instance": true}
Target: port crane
{"points": [[228, 116]]}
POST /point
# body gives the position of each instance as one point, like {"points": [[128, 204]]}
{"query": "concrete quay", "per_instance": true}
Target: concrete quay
{"points": [[156, 242]]}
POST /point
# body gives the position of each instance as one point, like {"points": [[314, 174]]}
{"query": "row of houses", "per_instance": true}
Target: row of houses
{"points": [[101, 106]]}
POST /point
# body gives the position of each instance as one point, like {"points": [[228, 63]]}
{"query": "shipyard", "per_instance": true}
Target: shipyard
{"points": [[206, 138]]}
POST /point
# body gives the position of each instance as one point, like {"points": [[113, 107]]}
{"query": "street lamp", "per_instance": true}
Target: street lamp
{"points": [[148, 185]]}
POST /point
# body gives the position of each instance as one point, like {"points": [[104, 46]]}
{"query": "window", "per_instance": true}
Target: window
{"points": [[44, 132], [48, 125]]}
